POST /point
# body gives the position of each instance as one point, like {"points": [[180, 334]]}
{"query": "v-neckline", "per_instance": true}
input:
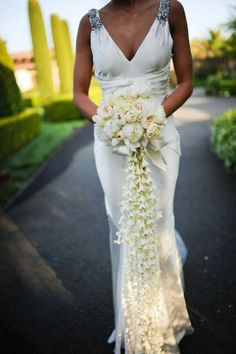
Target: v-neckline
{"points": [[141, 44]]}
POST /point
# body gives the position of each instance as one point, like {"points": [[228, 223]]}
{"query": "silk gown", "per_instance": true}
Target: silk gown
{"points": [[113, 70]]}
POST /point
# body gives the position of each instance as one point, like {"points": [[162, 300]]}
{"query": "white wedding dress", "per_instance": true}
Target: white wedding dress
{"points": [[113, 70]]}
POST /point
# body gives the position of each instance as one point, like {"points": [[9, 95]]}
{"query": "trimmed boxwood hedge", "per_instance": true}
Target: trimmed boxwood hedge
{"points": [[61, 108], [220, 87], [11, 99], [17, 129], [31, 99], [223, 138]]}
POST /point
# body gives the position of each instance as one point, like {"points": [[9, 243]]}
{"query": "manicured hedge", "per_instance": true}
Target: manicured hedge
{"points": [[31, 100], [11, 100], [228, 86], [17, 129], [223, 138], [61, 108], [220, 87]]}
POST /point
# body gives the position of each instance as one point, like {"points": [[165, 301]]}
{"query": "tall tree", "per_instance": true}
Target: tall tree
{"points": [[68, 43], [41, 51], [230, 43], [214, 43], [62, 55]]}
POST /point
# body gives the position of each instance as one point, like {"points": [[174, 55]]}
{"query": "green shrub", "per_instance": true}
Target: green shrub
{"points": [[212, 84], [32, 99], [215, 85], [11, 100], [61, 108], [199, 82], [16, 130], [223, 138], [227, 87], [22, 163]]}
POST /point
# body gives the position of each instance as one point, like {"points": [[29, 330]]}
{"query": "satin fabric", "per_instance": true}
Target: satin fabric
{"points": [[114, 70]]}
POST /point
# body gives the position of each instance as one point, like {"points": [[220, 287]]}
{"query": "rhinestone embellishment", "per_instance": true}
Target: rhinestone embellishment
{"points": [[162, 15], [95, 21]]}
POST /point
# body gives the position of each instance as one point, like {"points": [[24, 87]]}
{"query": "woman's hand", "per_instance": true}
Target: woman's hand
{"points": [[83, 71], [182, 59]]}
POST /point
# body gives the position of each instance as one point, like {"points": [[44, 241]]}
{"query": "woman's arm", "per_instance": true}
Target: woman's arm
{"points": [[182, 59], [83, 71]]}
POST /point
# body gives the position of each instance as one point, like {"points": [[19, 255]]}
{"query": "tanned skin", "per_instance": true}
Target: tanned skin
{"points": [[127, 22]]}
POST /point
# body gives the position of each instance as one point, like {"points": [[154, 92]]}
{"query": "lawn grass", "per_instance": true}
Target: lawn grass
{"points": [[25, 161]]}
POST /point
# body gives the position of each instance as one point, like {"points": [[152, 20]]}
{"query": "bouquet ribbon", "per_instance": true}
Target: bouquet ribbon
{"points": [[153, 151]]}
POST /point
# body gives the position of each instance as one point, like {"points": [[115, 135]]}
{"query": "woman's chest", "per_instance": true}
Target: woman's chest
{"points": [[153, 54]]}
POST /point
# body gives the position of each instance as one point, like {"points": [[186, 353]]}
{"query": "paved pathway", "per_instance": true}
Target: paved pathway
{"points": [[56, 295]]}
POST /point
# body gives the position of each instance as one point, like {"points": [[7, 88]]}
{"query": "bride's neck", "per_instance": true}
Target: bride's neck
{"points": [[126, 3]]}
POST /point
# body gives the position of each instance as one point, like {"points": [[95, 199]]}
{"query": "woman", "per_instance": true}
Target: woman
{"points": [[128, 40]]}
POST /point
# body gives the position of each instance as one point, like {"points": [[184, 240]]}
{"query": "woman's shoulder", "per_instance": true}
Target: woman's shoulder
{"points": [[176, 13], [175, 5], [84, 27], [176, 8]]}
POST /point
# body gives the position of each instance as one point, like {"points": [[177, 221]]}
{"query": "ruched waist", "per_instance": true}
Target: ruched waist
{"points": [[159, 82]]}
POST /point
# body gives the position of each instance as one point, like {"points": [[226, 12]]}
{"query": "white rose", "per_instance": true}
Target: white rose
{"points": [[105, 110], [121, 92], [115, 125], [132, 146], [160, 114], [133, 131], [118, 102], [138, 108], [120, 135], [99, 120], [95, 118], [153, 130], [108, 129], [146, 120], [131, 118], [157, 116], [120, 117], [154, 107], [101, 135], [141, 88]]}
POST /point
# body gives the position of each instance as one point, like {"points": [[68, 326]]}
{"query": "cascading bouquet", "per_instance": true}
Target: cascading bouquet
{"points": [[131, 120]]}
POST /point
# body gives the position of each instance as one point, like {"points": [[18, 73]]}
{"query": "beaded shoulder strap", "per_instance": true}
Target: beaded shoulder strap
{"points": [[163, 12], [94, 20], [162, 15]]}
